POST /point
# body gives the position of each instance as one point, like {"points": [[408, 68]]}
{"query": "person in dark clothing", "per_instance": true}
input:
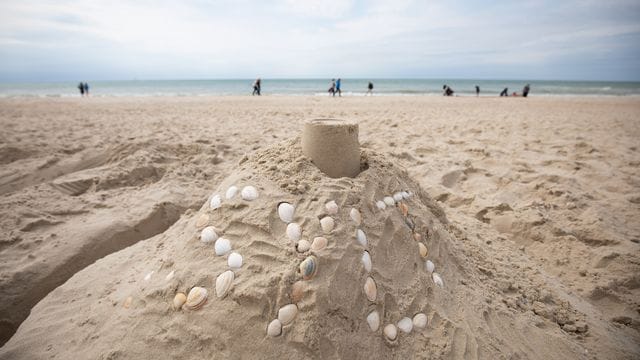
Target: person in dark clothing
{"points": [[505, 92], [370, 88], [338, 87], [81, 88], [332, 88], [256, 87], [525, 91], [447, 91], [477, 90], [86, 89]]}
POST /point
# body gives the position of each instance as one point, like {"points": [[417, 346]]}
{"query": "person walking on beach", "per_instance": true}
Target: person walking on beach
{"points": [[86, 89], [256, 87], [81, 88], [525, 91], [370, 88], [338, 88], [332, 88], [477, 90], [505, 92], [447, 91]]}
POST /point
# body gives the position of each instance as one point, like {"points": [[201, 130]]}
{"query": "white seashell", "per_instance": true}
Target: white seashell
{"points": [[437, 280], [332, 207], [397, 196], [405, 325], [405, 195], [319, 243], [373, 319], [275, 328], [222, 246], [389, 201], [303, 245], [231, 192], [196, 299], [208, 234], [294, 232], [179, 300], [356, 216], [366, 261], [285, 211], [370, 289], [170, 275], [381, 205], [362, 238], [287, 313], [148, 276], [235, 260], [215, 202], [420, 321], [430, 266], [390, 332], [249, 193], [327, 224], [223, 283]]}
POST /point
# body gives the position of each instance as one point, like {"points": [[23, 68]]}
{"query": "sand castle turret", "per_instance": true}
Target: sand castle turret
{"points": [[332, 145]]}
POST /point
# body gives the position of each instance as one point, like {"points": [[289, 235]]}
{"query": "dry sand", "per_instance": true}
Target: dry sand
{"points": [[537, 238]]}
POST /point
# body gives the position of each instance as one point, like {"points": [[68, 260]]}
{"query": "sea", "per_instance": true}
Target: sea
{"points": [[317, 87]]}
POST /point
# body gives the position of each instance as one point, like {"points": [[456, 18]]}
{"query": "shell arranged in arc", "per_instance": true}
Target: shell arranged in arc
{"points": [[366, 261], [222, 246], [202, 221], [331, 207], [309, 267], [303, 246], [224, 282], [417, 236], [422, 248], [361, 237], [234, 261], [215, 202], [319, 243], [274, 328], [429, 266], [405, 325], [405, 194], [389, 201], [404, 208], [355, 216], [381, 205], [370, 289], [397, 196], [287, 313], [327, 224], [373, 319], [294, 232], [179, 300], [196, 299], [285, 212], [437, 279], [391, 332], [208, 234], [420, 321], [170, 275], [231, 192], [249, 193]]}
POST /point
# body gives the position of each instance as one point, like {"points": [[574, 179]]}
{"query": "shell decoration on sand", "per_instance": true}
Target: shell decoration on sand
{"points": [[405, 325], [381, 205], [331, 207], [319, 243], [196, 299], [231, 192], [361, 237], [148, 276], [170, 275], [249, 193], [366, 261], [397, 196], [297, 291], [294, 232], [202, 221], [285, 212], [417, 237], [234, 261], [356, 216], [274, 328], [391, 332], [429, 266], [388, 200], [405, 194], [179, 300], [223, 283], [437, 280], [222, 246], [309, 267], [303, 246], [208, 235], [287, 313], [215, 202], [373, 319], [370, 289], [127, 302], [422, 248], [420, 321], [327, 224], [404, 208]]}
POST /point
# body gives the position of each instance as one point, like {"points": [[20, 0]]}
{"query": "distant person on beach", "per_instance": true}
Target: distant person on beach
{"points": [[86, 89], [256, 87], [332, 88], [338, 87], [525, 91], [370, 88], [477, 90], [81, 88], [505, 92], [447, 91]]}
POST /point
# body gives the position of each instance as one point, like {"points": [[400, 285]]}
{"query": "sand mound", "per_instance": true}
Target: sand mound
{"points": [[121, 306]]}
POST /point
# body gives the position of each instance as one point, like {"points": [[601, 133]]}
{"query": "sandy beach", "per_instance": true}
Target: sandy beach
{"points": [[531, 206]]}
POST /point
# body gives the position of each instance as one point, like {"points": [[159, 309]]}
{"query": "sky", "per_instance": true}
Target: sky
{"points": [[63, 40]]}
